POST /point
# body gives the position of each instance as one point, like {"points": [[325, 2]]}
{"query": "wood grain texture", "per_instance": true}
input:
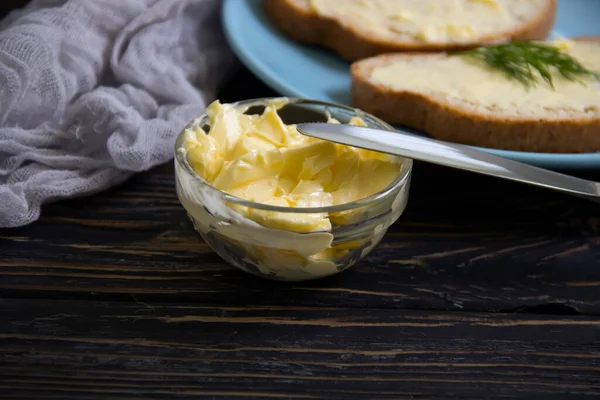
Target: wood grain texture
{"points": [[73, 349]]}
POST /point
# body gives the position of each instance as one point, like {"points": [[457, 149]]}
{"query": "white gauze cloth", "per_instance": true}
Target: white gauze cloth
{"points": [[92, 91]]}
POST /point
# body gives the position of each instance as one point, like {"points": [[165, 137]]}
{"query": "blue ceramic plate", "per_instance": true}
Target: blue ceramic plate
{"points": [[297, 70]]}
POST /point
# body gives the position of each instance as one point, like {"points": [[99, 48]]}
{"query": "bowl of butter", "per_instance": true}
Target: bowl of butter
{"points": [[281, 205]]}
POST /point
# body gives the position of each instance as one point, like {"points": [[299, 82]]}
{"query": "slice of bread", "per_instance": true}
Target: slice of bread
{"points": [[461, 100], [357, 29]]}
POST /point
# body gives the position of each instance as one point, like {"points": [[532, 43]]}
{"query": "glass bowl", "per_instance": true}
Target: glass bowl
{"points": [[280, 254]]}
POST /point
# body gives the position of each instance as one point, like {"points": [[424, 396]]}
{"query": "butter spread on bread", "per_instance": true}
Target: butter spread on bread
{"points": [[430, 20], [458, 99], [361, 28], [488, 88]]}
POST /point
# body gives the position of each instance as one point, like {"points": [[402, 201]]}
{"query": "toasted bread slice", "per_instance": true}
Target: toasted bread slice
{"points": [[460, 100], [357, 29]]}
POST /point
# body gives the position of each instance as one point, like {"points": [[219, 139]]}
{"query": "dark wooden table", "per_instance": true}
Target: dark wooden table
{"points": [[483, 289]]}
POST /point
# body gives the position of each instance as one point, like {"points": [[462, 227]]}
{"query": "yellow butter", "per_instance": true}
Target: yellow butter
{"points": [[261, 159], [429, 21], [204, 153], [460, 79], [491, 3], [446, 32]]}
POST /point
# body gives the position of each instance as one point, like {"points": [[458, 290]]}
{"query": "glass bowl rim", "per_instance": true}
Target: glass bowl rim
{"points": [[401, 180]]}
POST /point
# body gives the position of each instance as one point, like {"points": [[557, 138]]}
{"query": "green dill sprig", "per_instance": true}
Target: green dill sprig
{"points": [[521, 60]]}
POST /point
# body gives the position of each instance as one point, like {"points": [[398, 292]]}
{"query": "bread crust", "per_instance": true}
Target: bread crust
{"points": [[299, 22], [457, 124]]}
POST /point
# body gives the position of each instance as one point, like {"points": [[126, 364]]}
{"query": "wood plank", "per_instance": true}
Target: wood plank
{"points": [[69, 349], [466, 243]]}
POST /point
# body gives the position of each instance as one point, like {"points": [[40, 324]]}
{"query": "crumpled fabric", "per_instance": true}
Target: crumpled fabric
{"points": [[92, 91]]}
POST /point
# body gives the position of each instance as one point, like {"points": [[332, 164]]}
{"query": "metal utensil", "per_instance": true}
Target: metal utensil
{"points": [[450, 155]]}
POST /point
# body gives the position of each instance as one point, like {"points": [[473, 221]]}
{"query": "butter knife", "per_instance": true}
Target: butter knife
{"points": [[450, 155]]}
